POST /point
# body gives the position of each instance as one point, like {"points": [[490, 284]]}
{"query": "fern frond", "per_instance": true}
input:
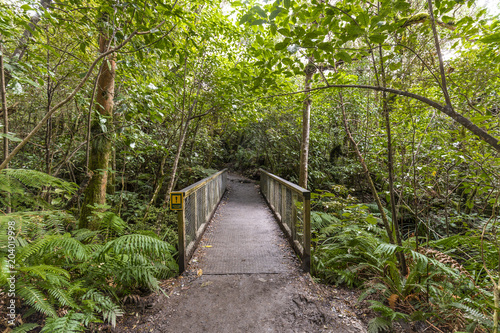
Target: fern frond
{"points": [[387, 249], [71, 247], [378, 324], [85, 235], [71, 322], [473, 314], [35, 298], [373, 207], [34, 248], [24, 328], [42, 271], [133, 244], [63, 297], [113, 222], [105, 305], [35, 179]]}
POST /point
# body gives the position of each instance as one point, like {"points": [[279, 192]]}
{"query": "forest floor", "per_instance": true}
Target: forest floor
{"points": [[214, 296]]}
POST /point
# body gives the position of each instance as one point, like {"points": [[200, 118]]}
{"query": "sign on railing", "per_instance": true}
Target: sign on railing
{"points": [[196, 205], [291, 204]]}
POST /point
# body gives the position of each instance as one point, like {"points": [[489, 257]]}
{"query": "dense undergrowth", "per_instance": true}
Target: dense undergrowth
{"points": [[446, 285], [73, 277]]}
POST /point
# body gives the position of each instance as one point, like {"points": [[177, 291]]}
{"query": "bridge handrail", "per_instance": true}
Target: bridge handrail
{"points": [[284, 198], [200, 201]]}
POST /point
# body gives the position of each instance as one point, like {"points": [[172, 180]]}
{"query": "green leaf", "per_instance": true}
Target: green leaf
{"points": [[363, 19], [287, 61], [258, 22], [493, 38], [273, 29], [245, 18], [326, 47], [286, 3], [284, 32], [343, 55], [275, 13], [395, 66], [259, 11], [379, 39], [370, 219], [282, 45]]}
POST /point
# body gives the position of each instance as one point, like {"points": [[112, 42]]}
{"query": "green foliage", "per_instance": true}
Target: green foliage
{"points": [[17, 183], [80, 270], [351, 248], [71, 322], [24, 328]]}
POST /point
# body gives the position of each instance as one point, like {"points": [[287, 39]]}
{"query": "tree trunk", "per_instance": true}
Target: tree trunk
{"points": [[310, 69], [101, 141], [390, 165], [182, 138], [111, 188], [5, 113]]}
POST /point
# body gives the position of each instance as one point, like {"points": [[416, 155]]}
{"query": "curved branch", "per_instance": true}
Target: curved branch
{"points": [[446, 109]]}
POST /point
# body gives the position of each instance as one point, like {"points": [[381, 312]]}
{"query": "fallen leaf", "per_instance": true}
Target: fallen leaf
{"points": [[204, 284], [208, 246], [200, 272]]}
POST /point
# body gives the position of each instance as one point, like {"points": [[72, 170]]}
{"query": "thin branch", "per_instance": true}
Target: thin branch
{"points": [[71, 96]]}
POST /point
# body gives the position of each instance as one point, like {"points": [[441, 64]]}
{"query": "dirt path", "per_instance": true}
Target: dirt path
{"points": [[244, 277]]}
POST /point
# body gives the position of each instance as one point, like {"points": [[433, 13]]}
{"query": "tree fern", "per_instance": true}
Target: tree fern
{"points": [[13, 180]]}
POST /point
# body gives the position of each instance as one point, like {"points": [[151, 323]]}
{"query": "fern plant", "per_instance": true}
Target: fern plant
{"points": [[79, 272], [351, 249], [19, 186]]}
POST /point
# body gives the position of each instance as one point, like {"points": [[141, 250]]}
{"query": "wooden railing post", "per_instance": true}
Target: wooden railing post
{"points": [[306, 260], [181, 224]]}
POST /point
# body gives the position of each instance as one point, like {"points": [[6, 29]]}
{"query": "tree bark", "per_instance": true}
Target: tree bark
{"points": [[3, 93], [309, 70], [101, 145], [390, 165], [4, 105]]}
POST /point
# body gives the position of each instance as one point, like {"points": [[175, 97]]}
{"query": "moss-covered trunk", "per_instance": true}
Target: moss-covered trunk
{"points": [[101, 136]]}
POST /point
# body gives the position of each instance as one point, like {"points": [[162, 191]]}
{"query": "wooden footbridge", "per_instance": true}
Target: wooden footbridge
{"points": [[243, 242]]}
